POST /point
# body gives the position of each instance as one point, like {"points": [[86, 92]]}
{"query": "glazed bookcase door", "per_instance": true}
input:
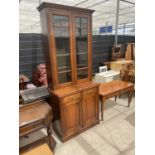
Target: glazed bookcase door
{"points": [[61, 28], [81, 46]]}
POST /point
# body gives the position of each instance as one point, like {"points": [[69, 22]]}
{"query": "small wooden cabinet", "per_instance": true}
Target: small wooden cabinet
{"points": [[75, 108], [67, 33]]}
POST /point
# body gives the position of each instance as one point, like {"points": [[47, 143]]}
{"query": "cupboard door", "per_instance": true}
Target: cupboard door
{"points": [[81, 45], [90, 107], [61, 27], [71, 114]]}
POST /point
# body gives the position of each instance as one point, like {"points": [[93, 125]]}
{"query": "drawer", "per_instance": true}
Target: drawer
{"points": [[31, 127], [72, 98], [90, 92]]}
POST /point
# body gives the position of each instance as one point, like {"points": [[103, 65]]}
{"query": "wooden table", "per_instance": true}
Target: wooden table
{"points": [[112, 89], [35, 116]]}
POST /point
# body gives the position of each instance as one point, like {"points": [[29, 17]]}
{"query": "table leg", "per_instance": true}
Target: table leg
{"points": [[130, 97], [102, 108], [51, 139], [115, 98]]}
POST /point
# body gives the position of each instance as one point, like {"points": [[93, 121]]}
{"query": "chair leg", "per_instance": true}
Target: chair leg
{"points": [[52, 142], [102, 109]]}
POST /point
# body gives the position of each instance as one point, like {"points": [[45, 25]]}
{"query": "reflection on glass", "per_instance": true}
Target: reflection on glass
{"points": [[62, 43], [61, 32], [81, 22], [83, 73], [64, 77], [81, 32], [61, 21]]}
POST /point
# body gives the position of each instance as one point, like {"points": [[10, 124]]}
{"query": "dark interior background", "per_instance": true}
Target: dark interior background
{"points": [[31, 50]]}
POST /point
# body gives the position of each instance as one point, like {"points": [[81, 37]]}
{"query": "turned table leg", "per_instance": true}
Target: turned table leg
{"points": [[102, 108], [50, 137], [115, 98], [130, 97]]}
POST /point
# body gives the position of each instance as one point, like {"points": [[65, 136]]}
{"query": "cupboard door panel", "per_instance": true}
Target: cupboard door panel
{"points": [[90, 107], [71, 112]]}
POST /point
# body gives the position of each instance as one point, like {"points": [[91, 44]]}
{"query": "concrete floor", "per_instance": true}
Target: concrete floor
{"points": [[114, 136]]}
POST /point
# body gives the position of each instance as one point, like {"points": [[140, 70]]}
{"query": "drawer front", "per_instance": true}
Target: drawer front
{"points": [[90, 92], [72, 98], [28, 128]]}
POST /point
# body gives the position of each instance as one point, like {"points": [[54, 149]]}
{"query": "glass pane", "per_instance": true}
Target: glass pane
{"points": [[82, 73], [81, 22], [62, 43], [64, 76], [80, 32], [81, 47], [77, 22], [84, 22], [63, 63], [62, 21], [82, 52], [61, 32]]}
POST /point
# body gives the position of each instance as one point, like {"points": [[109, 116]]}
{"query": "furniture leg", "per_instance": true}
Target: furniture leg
{"points": [[115, 98], [129, 97], [51, 139], [102, 109]]}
